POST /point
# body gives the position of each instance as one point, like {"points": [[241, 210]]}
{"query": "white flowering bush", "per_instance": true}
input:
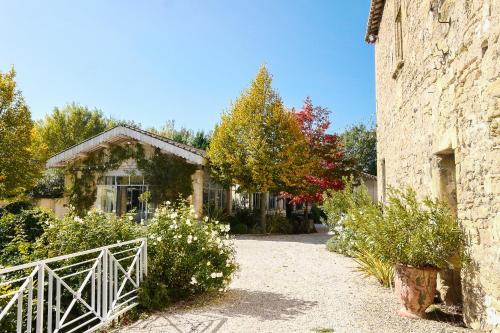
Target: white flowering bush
{"points": [[187, 256], [73, 233]]}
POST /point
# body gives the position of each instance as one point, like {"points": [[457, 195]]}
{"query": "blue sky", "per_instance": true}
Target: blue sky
{"points": [[150, 61]]}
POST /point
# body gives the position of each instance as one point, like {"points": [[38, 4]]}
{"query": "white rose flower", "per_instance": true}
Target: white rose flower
{"points": [[193, 281]]}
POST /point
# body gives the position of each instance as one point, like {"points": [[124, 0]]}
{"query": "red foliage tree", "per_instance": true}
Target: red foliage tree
{"points": [[325, 152]]}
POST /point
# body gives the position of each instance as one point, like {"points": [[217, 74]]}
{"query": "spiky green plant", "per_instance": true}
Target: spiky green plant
{"points": [[370, 265]]}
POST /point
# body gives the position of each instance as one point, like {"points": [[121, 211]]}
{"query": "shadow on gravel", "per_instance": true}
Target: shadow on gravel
{"points": [[261, 305], [264, 305], [314, 238], [445, 314]]}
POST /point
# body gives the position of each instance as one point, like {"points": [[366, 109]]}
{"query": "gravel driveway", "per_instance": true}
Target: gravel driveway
{"points": [[292, 284]]}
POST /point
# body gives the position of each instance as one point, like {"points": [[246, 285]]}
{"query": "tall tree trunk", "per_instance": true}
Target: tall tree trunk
{"points": [[263, 211], [306, 217], [288, 209]]}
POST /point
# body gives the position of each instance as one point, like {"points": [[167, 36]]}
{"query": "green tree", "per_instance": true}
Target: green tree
{"points": [[258, 144], [201, 140], [68, 126], [168, 130], [18, 169], [360, 145], [198, 139]]}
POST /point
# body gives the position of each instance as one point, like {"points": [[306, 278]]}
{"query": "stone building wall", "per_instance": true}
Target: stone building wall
{"points": [[445, 101]]}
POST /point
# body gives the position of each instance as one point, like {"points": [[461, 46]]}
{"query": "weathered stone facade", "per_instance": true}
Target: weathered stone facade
{"points": [[441, 105]]}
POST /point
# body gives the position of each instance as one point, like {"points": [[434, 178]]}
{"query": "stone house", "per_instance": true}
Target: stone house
{"points": [[438, 127], [119, 190]]}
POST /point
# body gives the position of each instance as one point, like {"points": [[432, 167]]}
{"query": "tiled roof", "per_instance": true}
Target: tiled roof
{"points": [[192, 149], [374, 18]]}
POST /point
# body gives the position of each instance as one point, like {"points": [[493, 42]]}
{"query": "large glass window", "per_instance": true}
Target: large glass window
{"points": [[272, 204], [214, 196], [120, 195], [256, 200]]}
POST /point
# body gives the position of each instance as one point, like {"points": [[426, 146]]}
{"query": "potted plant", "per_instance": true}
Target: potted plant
{"points": [[418, 237]]}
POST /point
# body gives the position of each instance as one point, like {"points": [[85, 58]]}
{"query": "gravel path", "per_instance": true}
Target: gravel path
{"points": [[292, 284]]}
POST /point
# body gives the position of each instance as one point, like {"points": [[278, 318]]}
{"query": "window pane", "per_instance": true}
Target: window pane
{"points": [[122, 180], [136, 180]]}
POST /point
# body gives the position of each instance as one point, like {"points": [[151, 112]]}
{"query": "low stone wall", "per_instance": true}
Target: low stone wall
{"points": [[57, 205]]}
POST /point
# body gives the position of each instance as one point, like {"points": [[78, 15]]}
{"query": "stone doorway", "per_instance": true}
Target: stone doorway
{"points": [[449, 280]]}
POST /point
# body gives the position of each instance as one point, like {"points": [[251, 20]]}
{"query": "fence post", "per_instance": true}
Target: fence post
{"points": [[105, 284], [145, 264], [39, 298]]}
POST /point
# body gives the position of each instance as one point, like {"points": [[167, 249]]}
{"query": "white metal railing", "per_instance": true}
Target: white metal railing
{"points": [[79, 292]]}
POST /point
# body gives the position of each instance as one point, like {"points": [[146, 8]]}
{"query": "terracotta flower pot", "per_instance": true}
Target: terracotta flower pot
{"points": [[415, 287]]}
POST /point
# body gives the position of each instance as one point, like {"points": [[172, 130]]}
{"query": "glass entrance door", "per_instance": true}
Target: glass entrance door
{"points": [[120, 195]]}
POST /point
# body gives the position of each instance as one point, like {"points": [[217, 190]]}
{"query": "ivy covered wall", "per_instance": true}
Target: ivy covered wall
{"points": [[168, 175]]}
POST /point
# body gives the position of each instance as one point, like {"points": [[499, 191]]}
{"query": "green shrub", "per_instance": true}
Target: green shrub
{"points": [[417, 233], [318, 215], [51, 185], [19, 231], [8, 323], [245, 216], [351, 216], [95, 229], [353, 219], [185, 257], [339, 243], [239, 228], [16, 207], [277, 223]]}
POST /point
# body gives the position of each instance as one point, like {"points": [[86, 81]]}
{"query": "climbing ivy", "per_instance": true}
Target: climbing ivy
{"points": [[169, 176]]}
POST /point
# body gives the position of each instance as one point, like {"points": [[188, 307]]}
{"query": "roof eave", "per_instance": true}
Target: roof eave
{"points": [[192, 155], [374, 19]]}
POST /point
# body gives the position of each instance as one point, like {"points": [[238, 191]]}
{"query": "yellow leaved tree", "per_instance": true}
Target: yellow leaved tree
{"points": [[258, 145]]}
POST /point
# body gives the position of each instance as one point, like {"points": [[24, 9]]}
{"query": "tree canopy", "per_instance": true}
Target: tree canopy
{"points": [[199, 139], [328, 164], [258, 144], [68, 126], [18, 169], [360, 145]]}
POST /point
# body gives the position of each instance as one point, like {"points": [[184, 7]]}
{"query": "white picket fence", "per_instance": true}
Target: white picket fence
{"points": [[79, 292]]}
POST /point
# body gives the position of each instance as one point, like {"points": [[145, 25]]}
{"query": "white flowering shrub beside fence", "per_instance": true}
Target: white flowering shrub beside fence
{"points": [[186, 256]]}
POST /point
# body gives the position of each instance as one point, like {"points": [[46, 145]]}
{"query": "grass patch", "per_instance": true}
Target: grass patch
{"points": [[323, 330]]}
